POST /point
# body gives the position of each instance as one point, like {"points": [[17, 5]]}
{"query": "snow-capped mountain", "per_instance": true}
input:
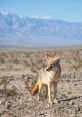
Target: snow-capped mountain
{"points": [[38, 31]]}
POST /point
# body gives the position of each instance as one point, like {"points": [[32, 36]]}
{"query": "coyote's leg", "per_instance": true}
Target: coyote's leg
{"points": [[49, 93], [55, 92], [46, 91], [39, 92]]}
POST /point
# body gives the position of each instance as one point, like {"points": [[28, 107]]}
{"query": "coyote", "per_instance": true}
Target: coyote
{"points": [[49, 76]]}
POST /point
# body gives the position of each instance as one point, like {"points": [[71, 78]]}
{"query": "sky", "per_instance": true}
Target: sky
{"points": [[68, 10]]}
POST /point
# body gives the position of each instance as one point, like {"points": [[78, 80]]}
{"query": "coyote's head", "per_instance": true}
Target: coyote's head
{"points": [[52, 61]]}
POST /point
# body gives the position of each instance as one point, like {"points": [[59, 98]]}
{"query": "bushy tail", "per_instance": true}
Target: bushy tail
{"points": [[35, 89]]}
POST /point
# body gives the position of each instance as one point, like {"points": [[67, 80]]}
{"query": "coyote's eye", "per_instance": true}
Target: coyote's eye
{"points": [[52, 65]]}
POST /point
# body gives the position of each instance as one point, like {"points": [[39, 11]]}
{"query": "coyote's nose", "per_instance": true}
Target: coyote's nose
{"points": [[50, 67]]}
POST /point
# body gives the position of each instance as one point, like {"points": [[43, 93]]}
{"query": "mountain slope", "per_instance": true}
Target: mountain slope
{"points": [[25, 31]]}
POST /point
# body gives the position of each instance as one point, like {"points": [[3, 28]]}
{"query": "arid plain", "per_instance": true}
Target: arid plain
{"points": [[19, 70]]}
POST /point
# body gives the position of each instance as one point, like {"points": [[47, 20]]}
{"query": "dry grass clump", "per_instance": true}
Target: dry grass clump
{"points": [[27, 86], [4, 91], [29, 83], [26, 63], [15, 61], [12, 92], [2, 59], [36, 66], [76, 65]]}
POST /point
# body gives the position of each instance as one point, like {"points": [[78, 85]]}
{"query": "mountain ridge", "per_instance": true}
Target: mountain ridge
{"points": [[38, 31]]}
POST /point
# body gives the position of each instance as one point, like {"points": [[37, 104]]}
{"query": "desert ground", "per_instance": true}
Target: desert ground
{"points": [[19, 70]]}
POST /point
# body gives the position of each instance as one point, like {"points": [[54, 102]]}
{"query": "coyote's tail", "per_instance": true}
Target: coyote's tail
{"points": [[35, 89]]}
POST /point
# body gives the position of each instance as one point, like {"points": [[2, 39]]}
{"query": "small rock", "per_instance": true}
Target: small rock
{"points": [[81, 98], [77, 108], [30, 99], [8, 106], [71, 103], [0, 102]]}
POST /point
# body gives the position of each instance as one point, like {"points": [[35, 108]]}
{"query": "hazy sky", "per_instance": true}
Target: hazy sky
{"points": [[69, 10]]}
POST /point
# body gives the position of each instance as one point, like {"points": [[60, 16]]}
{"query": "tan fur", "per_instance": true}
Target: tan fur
{"points": [[48, 77]]}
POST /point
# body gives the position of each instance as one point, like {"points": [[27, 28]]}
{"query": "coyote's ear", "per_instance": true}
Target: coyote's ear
{"points": [[49, 55], [57, 59]]}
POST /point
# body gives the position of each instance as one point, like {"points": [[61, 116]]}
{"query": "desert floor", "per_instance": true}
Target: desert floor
{"points": [[18, 73]]}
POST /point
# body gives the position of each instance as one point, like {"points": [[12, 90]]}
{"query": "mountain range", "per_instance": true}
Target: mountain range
{"points": [[17, 30]]}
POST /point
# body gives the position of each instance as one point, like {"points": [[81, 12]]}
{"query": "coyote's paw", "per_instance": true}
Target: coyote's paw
{"points": [[49, 104], [38, 98]]}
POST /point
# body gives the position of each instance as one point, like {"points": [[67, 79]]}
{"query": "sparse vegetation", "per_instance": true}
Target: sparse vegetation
{"points": [[19, 73], [76, 65], [26, 64], [12, 92], [4, 91], [2, 59], [16, 61]]}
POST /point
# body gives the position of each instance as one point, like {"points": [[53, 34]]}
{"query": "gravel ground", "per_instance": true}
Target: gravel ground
{"points": [[18, 74]]}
